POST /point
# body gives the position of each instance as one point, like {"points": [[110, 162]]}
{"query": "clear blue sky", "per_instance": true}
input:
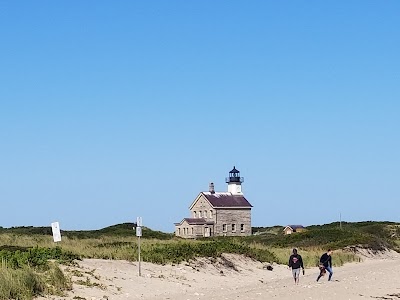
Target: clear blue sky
{"points": [[111, 110]]}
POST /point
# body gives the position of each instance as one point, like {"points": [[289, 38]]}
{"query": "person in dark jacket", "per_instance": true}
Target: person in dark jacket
{"points": [[295, 263], [325, 264]]}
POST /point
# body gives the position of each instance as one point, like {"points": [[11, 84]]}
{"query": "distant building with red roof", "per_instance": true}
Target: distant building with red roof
{"points": [[218, 213]]}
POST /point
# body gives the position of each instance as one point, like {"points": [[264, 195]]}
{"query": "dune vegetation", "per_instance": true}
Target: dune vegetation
{"points": [[30, 259], [25, 273]]}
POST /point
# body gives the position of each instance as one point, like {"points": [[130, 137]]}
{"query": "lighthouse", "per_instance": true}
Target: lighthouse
{"points": [[215, 213], [234, 182]]}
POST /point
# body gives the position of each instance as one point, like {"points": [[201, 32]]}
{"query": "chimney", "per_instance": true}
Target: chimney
{"points": [[212, 191]]}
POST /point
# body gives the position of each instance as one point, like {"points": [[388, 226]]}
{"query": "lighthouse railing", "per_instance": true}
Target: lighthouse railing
{"points": [[234, 179]]}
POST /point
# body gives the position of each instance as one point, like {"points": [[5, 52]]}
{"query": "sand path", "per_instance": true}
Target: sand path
{"points": [[105, 279]]}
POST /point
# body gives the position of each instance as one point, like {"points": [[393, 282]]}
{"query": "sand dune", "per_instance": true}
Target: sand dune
{"points": [[232, 277]]}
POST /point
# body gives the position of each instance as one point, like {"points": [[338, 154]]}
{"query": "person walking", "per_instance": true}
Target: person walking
{"points": [[295, 263], [326, 265]]}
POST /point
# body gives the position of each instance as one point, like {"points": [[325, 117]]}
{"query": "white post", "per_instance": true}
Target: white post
{"points": [[139, 234]]}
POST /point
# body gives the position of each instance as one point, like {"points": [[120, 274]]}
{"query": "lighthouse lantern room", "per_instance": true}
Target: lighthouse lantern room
{"points": [[234, 182]]}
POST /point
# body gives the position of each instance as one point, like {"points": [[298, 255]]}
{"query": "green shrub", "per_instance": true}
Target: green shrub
{"points": [[35, 257], [333, 238], [187, 250]]}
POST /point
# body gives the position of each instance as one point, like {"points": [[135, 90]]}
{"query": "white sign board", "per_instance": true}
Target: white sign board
{"points": [[55, 227], [138, 231], [139, 221]]}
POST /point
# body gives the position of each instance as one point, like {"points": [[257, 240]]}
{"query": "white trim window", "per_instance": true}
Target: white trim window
{"points": [[224, 228], [233, 227], [241, 227]]}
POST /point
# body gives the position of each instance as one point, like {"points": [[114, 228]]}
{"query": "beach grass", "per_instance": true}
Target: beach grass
{"points": [[311, 256], [174, 250], [27, 282], [126, 248]]}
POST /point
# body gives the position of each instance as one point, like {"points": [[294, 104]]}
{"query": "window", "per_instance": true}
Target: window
{"points": [[224, 227], [179, 231], [233, 227], [205, 214], [192, 230], [241, 227], [194, 214], [210, 213]]}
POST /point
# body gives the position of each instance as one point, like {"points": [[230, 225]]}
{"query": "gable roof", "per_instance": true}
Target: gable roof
{"points": [[294, 227], [226, 200]]}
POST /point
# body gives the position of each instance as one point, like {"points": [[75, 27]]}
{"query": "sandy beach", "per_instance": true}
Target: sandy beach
{"points": [[232, 277]]}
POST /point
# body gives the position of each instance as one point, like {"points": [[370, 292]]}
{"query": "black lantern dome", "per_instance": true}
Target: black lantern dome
{"points": [[234, 176]]}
